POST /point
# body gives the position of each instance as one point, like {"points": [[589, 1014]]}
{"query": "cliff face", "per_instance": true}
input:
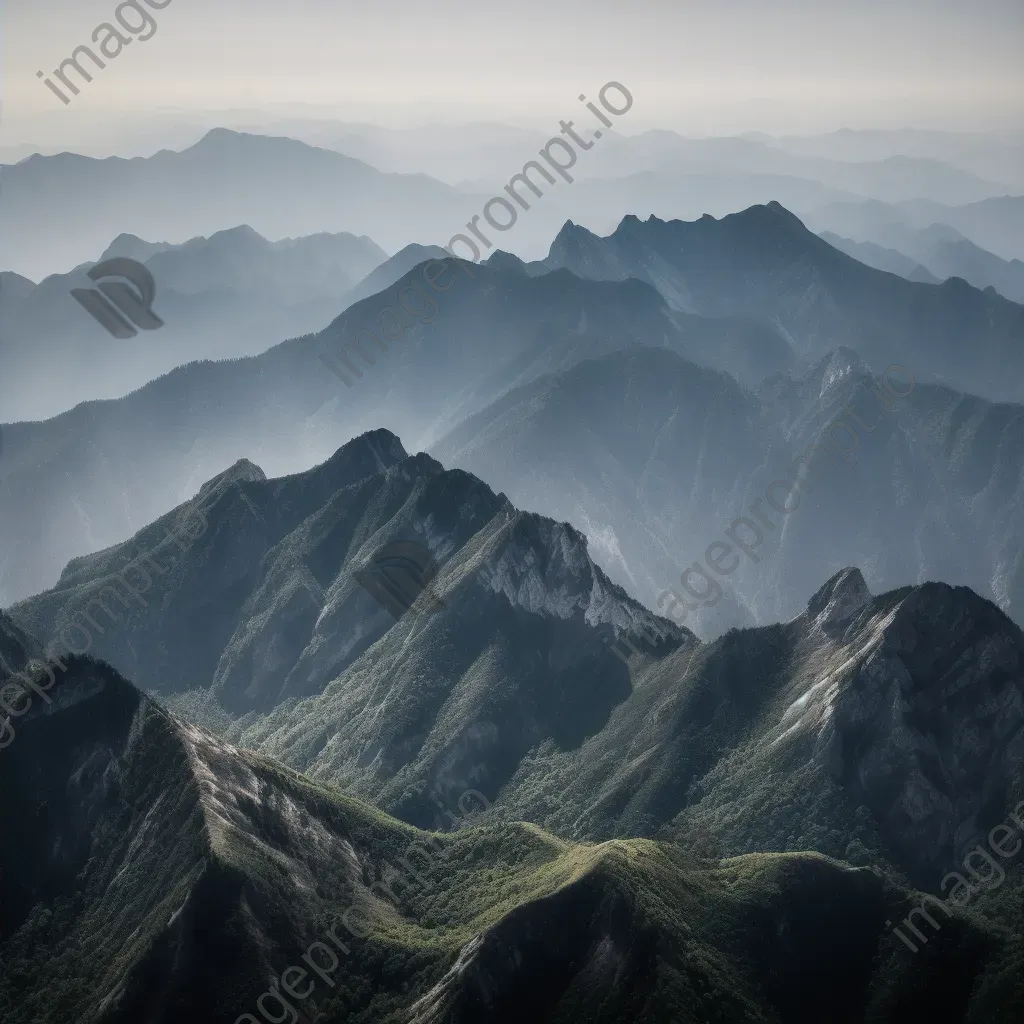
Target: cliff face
{"points": [[928, 723]]}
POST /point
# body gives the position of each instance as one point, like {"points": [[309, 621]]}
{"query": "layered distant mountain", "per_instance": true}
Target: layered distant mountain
{"points": [[892, 261], [995, 225], [992, 155], [484, 152], [765, 265], [891, 179], [282, 188], [285, 187], [94, 475], [934, 255], [233, 294], [209, 870]]}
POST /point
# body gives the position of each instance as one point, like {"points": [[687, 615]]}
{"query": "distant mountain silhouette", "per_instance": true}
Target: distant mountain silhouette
{"points": [[935, 255], [226, 296], [995, 224], [765, 265], [281, 187], [892, 178], [890, 260]]}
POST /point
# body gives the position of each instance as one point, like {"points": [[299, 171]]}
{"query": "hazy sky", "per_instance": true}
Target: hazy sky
{"points": [[700, 67]]}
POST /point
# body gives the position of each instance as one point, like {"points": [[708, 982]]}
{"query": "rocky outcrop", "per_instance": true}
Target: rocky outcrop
{"points": [[928, 723]]}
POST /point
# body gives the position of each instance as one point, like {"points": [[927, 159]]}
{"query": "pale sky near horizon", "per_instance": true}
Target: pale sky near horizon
{"points": [[703, 67]]}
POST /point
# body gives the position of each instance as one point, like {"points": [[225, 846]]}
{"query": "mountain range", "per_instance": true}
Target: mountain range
{"points": [[285, 187], [764, 264], [633, 850], [618, 622], [281, 187], [203, 868], [512, 325], [992, 224], [230, 295], [934, 255], [263, 629]]}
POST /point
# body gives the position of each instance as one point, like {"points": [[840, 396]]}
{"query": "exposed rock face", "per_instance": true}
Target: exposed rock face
{"points": [[892, 724], [928, 727], [839, 601]]}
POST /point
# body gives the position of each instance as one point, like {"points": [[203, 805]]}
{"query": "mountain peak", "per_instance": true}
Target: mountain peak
{"points": [[243, 471], [501, 260], [768, 213], [383, 447], [577, 248], [241, 233], [572, 233], [132, 247], [839, 600], [219, 136]]}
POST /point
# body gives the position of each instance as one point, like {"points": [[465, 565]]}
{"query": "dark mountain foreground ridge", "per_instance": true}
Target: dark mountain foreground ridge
{"points": [[156, 873]]}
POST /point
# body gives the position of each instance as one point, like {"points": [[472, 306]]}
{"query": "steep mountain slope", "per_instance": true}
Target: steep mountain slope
{"points": [[877, 730], [656, 458], [230, 295], [392, 270], [158, 872], [93, 476], [764, 264], [651, 452], [892, 261], [502, 679], [17, 649], [265, 609]]}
